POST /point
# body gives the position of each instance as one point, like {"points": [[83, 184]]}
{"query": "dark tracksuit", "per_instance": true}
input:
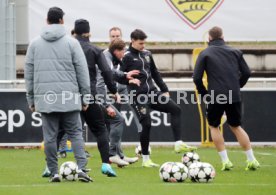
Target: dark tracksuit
{"points": [[143, 61], [226, 71], [94, 116]]}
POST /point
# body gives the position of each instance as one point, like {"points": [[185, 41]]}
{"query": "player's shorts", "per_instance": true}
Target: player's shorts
{"points": [[215, 112]]}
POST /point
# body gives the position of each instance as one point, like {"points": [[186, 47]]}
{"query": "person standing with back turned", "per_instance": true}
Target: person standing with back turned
{"points": [[55, 66], [227, 72]]}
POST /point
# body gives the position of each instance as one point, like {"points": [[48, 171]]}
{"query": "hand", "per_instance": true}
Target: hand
{"points": [[132, 73], [32, 108], [167, 94], [110, 112], [85, 107], [116, 97], [135, 82]]}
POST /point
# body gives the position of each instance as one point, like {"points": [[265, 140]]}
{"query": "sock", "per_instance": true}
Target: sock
{"points": [[223, 156], [145, 158], [249, 154]]}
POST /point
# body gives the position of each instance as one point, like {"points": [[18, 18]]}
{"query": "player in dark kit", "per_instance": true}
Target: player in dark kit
{"points": [[227, 72], [147, 97]]}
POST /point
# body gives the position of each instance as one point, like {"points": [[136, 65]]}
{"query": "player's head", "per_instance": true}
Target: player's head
{"points": [[55, 16], [215, 33], [114, 33], [82, 28], [138, 39], [117, 48]]}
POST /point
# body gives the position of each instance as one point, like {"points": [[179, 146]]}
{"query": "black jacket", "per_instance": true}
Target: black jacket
{"points": [[94, 55], [143, 61], [225, 67]]}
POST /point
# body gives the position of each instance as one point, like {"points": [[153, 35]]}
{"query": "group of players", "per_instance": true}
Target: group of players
{"points": [[58, 62]]}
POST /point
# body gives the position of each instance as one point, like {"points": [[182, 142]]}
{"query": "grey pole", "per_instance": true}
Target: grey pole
{"points": [[2, 38], [7, 40]]}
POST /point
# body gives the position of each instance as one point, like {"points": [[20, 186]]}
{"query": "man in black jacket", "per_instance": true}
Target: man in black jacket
{"points": [[94, 116], [147, 97], [227, 72]]}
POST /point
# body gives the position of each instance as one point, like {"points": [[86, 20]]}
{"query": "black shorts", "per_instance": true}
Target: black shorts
{"points": [[233, 114]]}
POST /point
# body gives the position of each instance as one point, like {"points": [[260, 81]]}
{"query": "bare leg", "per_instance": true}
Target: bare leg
{"points": [[219, 143], [217, 138], [242, 137]]}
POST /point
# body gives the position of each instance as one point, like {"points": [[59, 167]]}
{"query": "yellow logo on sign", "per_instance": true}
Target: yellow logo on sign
{"points": [[194, 12]]}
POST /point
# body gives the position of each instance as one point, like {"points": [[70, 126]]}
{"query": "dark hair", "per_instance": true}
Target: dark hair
{"points": [[72, 31], [216, 32], [116, 44], [55, 14], [138, 34]]}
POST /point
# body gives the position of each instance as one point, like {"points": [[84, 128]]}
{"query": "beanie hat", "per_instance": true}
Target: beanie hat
{"points": [[81, 26]]}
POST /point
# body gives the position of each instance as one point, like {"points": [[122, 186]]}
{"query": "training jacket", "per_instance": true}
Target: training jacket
{"points": [[118, 75], [55, 69], [143, 61], [225, 67], [95, 56]]}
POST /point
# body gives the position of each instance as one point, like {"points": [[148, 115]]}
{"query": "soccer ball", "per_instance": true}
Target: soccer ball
{"points": [[173, 172], [138, 150], [190, 157], [201, 172], [69, 171]]}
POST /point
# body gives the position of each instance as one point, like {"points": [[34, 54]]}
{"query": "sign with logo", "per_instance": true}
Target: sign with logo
{"points": [[162, 20], [194, 12]]}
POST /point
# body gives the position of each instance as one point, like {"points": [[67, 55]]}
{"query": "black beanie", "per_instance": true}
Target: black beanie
{"points": [[81, 26]]}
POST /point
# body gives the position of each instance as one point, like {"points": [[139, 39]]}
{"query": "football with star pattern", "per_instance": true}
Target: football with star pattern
{"points": [[190, 157], [69, 171], [201, 172], [173, 172]]}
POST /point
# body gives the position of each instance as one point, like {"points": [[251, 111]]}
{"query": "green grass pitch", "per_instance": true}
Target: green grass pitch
{"points": [[20, 173]]}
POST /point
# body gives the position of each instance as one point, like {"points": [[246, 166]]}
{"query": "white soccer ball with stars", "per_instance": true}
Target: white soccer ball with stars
{"points": [[69, 171], [138, 150], [201, 172], [173, 172], [190, 157]]}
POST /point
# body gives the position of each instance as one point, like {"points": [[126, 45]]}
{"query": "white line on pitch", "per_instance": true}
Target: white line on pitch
{"points": [[264, 153], [25, 185], [260, 153], [167, 184], [219, 184]]}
